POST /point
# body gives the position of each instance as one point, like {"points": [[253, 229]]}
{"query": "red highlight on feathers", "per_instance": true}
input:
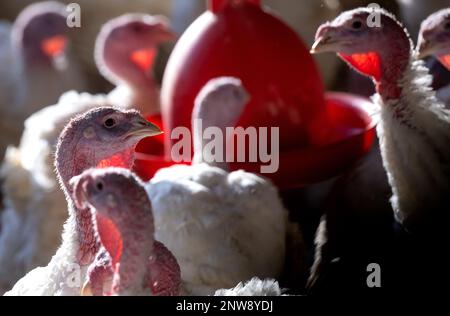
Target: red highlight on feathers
{"points": [[367, 63]]}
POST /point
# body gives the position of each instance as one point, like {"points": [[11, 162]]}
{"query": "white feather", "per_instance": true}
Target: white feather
{"points": [[222, 227], [254, 287], [415, 148]]}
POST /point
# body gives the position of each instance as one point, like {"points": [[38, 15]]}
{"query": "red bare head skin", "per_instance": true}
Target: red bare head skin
{"points": [[379, 51], [220, 103], [124, 222], [40, 32], [89, 140], [126, 46], [434, 37]]}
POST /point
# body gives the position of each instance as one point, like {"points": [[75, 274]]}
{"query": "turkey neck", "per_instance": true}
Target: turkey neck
{"points": [[210, 115], [138, 239], [414, 139], [141, 83], [394, 63], [83, 158]]}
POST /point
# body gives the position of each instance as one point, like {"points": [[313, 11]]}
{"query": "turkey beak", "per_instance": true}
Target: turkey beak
{"points": [[86, 289], [426, 48], [325, 43], [142, 128]]}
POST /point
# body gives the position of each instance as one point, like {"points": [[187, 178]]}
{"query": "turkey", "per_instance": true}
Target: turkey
{"points": [[223, 227], [434, 39], [123, 219], [413, 12], [414, 132], [32, 196], [125, 51], [415, 128], [38, 42], [98, 135]]}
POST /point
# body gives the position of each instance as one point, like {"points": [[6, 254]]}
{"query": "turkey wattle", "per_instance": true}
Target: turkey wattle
{"points": [[125, 53]]}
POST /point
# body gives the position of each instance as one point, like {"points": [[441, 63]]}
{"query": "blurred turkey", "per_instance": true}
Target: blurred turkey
{"points": [[223, 227], [413, 12], [434, 40], [31, 192], [38, 42], [123, 219], [93, 15]]}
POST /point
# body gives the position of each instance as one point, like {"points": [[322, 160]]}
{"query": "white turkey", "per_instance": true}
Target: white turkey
{"points": [[223, 227], [32, 198], [413, 12], [123, 221], [414, 133], [86, 141], [415, 128]]}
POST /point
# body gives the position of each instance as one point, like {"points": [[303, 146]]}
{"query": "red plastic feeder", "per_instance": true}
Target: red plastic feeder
{"points": [[320, 136]]}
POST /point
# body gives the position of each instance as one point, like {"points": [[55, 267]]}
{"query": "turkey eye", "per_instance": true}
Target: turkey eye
{"points": [[99, 186], [447, 26], [356, 25], [109, 123]]}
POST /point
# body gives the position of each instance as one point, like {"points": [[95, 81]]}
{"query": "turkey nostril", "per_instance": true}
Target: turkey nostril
{"points": [[99, 186]]}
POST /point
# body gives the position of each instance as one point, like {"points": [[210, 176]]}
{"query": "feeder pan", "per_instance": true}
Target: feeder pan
{"points": [[321, 135]]}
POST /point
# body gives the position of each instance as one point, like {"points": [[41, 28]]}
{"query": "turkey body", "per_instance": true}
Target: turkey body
{"points": [[222, 227]]}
